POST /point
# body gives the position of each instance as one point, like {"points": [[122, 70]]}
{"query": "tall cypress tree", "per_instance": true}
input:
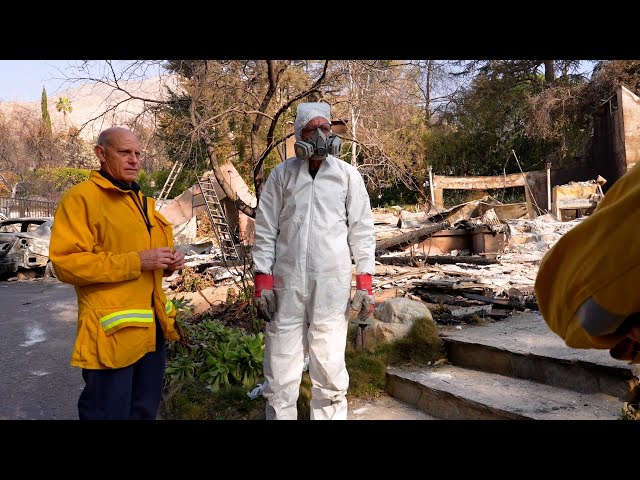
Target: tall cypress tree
{"points": [[46, 119]]}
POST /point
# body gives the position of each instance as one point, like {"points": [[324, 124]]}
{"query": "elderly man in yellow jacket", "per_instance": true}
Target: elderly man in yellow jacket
{"points": [[111, 244]]}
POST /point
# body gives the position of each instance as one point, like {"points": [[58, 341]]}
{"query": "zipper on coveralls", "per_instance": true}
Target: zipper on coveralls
{"points": [[306, 270]]}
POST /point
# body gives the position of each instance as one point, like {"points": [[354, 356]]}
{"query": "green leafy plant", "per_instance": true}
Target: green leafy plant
{"points": [[236, 361], [219, 357], [184, 306], [182, 369]]}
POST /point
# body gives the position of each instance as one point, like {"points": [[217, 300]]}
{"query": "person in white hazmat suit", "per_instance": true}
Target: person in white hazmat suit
{"points": [[313, 214]]}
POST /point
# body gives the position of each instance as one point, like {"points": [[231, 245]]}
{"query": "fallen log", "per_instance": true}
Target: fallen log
{"points": [[443, 298], [418, 259], [519, 304], [409, 238]]}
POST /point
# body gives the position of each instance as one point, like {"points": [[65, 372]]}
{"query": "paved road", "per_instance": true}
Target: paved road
{"points": [[38, 320]]}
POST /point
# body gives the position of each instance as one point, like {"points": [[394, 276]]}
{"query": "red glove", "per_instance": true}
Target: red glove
{"points": [[363, 299], [264, 298]]}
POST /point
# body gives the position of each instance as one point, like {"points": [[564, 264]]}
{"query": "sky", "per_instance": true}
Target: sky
{"points": [[22, 80]]}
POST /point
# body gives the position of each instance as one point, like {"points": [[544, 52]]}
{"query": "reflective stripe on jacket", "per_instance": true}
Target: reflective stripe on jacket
{"points": [[97, 232]]}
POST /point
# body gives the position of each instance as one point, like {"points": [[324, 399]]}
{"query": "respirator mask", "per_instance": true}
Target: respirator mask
{"points": [[320, 144]]}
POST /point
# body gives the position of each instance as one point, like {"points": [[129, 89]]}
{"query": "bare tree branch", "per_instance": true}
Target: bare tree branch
{"points": [[213, 158]]}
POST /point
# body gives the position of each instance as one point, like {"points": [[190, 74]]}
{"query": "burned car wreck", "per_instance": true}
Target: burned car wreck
{"points": [[24, 244]]}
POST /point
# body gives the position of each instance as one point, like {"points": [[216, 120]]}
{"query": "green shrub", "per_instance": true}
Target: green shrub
{"points": [[219, 356]]}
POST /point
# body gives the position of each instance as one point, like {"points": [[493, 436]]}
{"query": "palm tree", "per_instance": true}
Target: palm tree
{"points": [[64, 105]]}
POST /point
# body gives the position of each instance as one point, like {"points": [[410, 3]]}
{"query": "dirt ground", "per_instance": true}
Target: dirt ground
{"points": [[384, 407], [207, 297]]}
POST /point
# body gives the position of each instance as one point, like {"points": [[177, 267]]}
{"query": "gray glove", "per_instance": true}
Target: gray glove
{"points": [[362, 303], [264, 297], [266, 304]]}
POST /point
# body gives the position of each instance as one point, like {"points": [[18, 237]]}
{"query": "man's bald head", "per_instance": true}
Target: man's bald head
{"points": [[107, 136]]}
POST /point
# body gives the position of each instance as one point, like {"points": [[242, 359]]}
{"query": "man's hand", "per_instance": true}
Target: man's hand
{"points": [[629, 347], [178, 261], [363, 299], [155, 258], [264, 298]]}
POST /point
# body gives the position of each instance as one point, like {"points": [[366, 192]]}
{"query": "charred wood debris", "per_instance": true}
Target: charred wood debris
{"points": [[469, 264]]}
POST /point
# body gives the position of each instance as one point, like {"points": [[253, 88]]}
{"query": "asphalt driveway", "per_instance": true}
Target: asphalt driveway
{"points": [[38, 319]]}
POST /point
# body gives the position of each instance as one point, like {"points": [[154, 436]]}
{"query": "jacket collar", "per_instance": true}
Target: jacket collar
{"points": [[103, 179]]}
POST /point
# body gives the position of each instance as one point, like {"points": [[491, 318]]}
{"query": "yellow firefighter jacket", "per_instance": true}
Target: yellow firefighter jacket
{"points": [[598, 259], [97, 232]]}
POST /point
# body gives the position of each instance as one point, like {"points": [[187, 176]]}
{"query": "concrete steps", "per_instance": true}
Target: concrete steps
{"points": [[456, 393], [516, 369]]}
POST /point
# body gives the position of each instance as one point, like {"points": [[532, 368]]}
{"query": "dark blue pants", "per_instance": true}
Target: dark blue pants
{"points": [[130, 393]]}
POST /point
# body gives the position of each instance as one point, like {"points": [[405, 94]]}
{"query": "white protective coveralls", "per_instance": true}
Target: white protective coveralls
{"points": [[305, 233]]}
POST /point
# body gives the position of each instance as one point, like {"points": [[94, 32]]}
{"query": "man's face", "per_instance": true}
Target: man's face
{"points": [[120, 156]]}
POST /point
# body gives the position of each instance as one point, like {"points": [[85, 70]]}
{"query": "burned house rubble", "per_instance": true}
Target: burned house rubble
{"points": [[475, 261]]}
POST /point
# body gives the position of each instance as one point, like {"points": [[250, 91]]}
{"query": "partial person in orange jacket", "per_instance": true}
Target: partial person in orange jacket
{"points": [[587, 284], [111, 244]]}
